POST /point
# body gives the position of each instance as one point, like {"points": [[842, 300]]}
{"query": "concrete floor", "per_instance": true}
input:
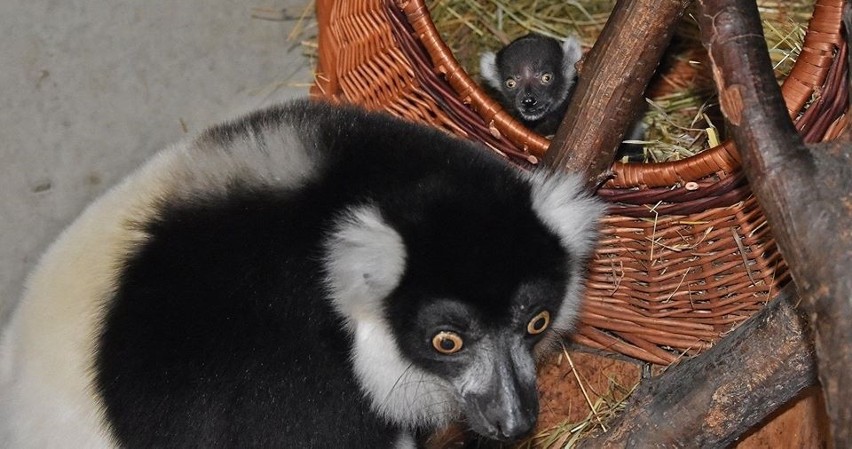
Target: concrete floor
{"points": [[91, 88]]}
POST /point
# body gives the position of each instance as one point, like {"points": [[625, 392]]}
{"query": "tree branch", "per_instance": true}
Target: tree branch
{"points": [[805, 192], [715, 398], [613, 77]]}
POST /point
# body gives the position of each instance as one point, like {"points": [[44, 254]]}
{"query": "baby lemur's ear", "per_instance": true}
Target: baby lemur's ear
{"points": [[488, 69], [571, 53]]}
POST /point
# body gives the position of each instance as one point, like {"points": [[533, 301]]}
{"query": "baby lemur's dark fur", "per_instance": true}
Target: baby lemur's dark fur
{"points": [[534, 74]]}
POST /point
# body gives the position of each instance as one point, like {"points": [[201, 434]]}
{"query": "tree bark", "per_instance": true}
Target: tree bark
{"points": [[715, 398], [613, 77], [806, 193]]}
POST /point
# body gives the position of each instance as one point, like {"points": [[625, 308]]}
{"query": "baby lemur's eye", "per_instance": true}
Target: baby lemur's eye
{"points": [[539, 323], [547, 78], [510, 83], [447, 342]]}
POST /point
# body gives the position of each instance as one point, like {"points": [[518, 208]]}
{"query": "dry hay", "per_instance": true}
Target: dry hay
{"points": [[603, 383]]}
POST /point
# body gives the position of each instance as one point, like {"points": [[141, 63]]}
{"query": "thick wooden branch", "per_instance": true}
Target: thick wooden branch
{"points": [[806, 193], [715, 398], [613, 77]]}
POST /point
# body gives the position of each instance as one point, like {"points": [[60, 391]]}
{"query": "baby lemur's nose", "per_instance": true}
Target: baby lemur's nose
{"points": [[529, 101]]}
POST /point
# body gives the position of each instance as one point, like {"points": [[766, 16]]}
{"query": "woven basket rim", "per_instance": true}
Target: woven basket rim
{"points": [[807, 75]]}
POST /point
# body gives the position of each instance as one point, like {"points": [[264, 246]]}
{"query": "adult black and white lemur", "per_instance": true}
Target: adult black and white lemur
{"points": [[307, 276]]}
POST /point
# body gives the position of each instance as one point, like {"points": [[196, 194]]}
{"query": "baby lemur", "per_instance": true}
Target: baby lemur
{"points": [[534, 74]]}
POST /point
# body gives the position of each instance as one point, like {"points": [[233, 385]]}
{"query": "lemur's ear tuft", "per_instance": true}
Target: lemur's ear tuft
{"points": [[571, 53], [364, 261], [562, 204], [488, 69]]}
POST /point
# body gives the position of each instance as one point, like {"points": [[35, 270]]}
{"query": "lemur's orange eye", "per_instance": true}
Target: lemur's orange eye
{"points": [[539, 323], [546, 78], [510, 83], [447, 342]]}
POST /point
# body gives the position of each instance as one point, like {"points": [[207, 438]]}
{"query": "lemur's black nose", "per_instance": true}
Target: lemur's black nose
{"points": [[529, 101]]}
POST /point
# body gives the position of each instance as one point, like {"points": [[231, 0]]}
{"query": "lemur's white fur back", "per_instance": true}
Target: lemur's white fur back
{"points": [[49, 342], [46, 350]]}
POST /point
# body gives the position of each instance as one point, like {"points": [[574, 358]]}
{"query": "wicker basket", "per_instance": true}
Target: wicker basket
{"points": [[686, 254]]}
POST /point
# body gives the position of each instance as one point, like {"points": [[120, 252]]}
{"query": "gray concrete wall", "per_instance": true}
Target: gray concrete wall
{"points": [[91, 88]]}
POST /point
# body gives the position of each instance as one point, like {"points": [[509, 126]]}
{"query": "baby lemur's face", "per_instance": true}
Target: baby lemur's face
{"points": [[531, 74], [534, 74]]}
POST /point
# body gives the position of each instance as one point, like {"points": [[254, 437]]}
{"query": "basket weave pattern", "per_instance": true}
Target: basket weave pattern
{"points": [[676, 267]]}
